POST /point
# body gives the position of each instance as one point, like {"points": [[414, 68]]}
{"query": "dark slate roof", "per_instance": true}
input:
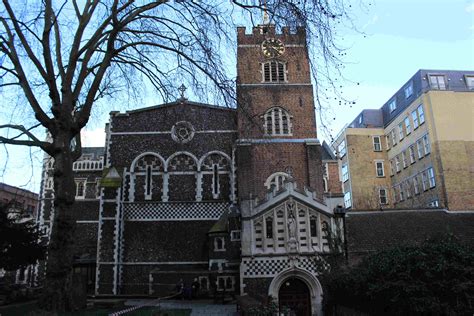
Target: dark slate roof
{"points": [[455, 80], [327, 152], [368, 118], [96, 151], [377, 230]]}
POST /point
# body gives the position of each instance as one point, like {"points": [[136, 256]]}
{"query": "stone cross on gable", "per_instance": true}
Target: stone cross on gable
{"points": [[182, 89]]}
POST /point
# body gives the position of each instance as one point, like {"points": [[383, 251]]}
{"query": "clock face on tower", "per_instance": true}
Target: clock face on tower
{"points": [[272, 48]]}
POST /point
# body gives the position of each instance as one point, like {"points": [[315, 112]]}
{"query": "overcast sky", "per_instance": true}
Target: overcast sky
{"points": [[402, 37]]}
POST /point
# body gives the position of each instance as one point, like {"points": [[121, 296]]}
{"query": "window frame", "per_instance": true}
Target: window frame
{"points": [[431, 177], [341, 149], [381, 168], [412, 154], [235, 235], [414, 116], [436, 85], [407, 125], [383, 196], [408, 90], [348, 199], [426, 144], [392, 105], [469, 80], [345, 172], [397, 163], [277, 73], [404, 159], [216, 244], [79, 181], [421, 148], [375, 144], [401, 132], [421, 114], [274, 118]]}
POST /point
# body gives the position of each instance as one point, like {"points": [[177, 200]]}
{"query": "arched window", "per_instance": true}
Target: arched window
{"points": [[215, 169], [148, 170], [274, 71], [276, 180], [277, 121]]}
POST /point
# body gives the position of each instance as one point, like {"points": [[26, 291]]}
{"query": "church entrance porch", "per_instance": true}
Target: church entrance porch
{"points": [[294, 298], [297, 289]]}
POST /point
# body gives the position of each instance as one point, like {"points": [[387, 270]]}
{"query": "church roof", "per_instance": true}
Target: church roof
{"points": [[377, 230], [179, 102]]}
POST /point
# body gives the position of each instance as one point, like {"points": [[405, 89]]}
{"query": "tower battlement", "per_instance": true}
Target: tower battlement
{"points": [[263, 31]]}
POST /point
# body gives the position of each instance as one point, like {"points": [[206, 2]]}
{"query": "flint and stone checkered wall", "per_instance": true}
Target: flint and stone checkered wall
{"points": [[173, 211], [265, 267]]}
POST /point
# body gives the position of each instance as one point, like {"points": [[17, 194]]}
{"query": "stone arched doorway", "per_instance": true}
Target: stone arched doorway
{"points": [[304, 282], [294, 297]]}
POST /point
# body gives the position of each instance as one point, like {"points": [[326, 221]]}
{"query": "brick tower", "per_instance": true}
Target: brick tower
{"points": [[276, 119]]}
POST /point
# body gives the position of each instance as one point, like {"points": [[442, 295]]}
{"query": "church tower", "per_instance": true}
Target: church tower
{"points": [[276, 119]]}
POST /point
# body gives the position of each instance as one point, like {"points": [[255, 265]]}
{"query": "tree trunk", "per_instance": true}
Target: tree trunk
{"points": [[57, 295]]}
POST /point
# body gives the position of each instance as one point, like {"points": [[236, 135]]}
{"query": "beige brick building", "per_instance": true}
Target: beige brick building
{"points": [[416, 151]]}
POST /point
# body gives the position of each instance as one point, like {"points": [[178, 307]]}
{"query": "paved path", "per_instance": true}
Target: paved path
{"points": [[199, 308]]}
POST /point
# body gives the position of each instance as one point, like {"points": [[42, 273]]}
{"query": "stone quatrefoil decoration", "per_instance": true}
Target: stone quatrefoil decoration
{"points": [[182, 132]]}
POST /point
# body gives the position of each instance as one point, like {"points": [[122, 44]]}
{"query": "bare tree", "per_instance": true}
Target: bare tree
{"points": [[62, 57]]}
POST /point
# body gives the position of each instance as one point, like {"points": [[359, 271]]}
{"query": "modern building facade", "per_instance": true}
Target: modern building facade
{"points": [[236, 200], [416, 150]]}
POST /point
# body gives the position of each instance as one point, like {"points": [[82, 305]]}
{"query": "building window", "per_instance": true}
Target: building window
{"points": [[426, 141], [269, 227], [407, 186], [393, 137], [469, 82], [342, 149], [409, 90], [80, 189], [377, 143], [387, 141], [402, 193], [225, 283], [392, 105], [404, 159], [204, 283], [431, 177], [419, 144], [437, 82], [383, 196], [391, 168], [313, 226], [347, 199], [421, 114], [414, 116], [277, 121], [416, 188], [397, 163], [379, 169], [407, 125], [274, 71], [276, 180], [345, 173], [412, 154], [424, 180], [219, 244], [235, 235], [401, 133]]}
